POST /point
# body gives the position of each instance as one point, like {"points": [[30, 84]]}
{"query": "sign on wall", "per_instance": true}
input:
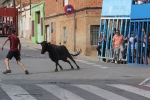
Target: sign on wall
{"points": [[69, 9], [116, 7]]}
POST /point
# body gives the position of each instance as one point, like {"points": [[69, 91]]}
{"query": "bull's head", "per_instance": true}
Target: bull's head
{"points": [[44, 45]]}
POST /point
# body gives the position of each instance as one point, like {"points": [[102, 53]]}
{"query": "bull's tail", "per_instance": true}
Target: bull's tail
{"points": [[76, 54]]}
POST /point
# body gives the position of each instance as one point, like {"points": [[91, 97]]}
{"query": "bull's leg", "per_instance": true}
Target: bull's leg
{"points": [[69, 63], [74, 61], [60, 66], [56, 70]]}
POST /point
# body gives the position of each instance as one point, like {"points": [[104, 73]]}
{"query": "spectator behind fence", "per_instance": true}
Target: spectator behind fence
{"points": [[11, 26], [148, 49], [132, 45], [145, 37], [7, 27], [117, 44], [109, 43], [100, 41], [141, 1]]}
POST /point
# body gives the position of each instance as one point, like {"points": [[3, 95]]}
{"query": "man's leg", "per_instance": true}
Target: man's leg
{"points": [[98, 49], [18, 59], [114, 54], [7, 63], [121, 53], [7, 66], [22, 66], [117, 53], [8, 57]]}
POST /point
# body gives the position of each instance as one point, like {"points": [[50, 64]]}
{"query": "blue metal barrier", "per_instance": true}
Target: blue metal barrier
{"points": [[141, 56], [108, 29]]}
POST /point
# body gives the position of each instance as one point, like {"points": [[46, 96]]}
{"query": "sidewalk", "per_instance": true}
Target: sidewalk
{"points": [[38, 47]]}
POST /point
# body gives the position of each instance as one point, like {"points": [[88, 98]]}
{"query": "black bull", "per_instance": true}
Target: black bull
{"points": [[57, 53]]}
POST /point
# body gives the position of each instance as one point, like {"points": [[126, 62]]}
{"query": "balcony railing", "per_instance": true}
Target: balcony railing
{"points": [[136, 2]]}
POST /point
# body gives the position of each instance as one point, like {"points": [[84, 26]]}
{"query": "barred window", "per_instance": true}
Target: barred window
{"points": [[94, 31]]}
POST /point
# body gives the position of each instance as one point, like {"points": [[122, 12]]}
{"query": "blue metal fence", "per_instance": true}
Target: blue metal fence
{"points": [[109, 24], [141, 30]]}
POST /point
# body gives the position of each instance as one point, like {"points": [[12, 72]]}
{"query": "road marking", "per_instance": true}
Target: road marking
{"points": [[16, 92], [81, 60], [104, 67], [132, 89], [101, 92], [60, 92], [97, 65], [78, 60], [100, 66], [89, 63], [143, 82]]}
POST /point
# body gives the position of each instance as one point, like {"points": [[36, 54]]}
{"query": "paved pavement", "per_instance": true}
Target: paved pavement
{"points": [[38, 47]]}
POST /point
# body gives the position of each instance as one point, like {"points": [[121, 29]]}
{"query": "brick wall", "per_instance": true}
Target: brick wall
{"points": [[84, 18], [27, 2], [53, 7]]}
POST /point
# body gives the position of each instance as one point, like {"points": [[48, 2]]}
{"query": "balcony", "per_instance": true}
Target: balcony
{"points": [[116, 8], [140, 11]]}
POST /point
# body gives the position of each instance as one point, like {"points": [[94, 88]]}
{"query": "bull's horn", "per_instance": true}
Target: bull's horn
{"points": [[37, 42]]}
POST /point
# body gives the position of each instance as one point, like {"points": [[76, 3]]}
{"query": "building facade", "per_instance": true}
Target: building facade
{"points": [[37, 18], [75, 31]]}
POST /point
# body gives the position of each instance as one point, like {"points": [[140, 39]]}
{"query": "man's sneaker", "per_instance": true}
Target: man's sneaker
{"points": [[7, 71], [26, 72]]}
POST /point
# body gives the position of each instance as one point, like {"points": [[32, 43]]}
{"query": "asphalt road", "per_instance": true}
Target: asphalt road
{"points": [[94, 81]]}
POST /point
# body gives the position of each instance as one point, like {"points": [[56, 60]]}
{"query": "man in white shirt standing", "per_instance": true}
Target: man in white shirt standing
{"points": [[133, 45]]}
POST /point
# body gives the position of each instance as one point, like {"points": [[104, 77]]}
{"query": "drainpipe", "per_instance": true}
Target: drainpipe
{"points": [[30, 7], [74, 30]]}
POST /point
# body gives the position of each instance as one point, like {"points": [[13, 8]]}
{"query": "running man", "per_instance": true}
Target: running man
{"points": [[13, 52]]}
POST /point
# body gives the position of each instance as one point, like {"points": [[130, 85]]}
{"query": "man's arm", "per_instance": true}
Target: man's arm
{"points": [[4, 44], [143, 30], [19, 46], [99, 41], [113, 42]]}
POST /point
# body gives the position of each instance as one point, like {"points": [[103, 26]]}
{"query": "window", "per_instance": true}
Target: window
{"points": [[65, 34], [94, 31], [52, 27], [65, 2]]}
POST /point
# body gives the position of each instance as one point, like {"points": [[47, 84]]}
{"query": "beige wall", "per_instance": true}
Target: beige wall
{"points": [[83, 22], [91, 19], [28, 25]]}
